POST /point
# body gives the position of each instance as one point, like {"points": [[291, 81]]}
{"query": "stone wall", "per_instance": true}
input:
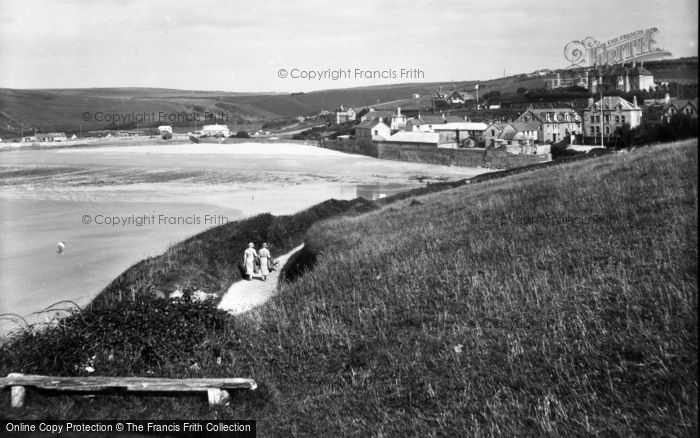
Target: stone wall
{"points": [[351, 147], [475, 157]]}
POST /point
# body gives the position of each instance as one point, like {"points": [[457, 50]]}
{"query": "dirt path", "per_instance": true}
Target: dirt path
{"points": [[244, 295]]}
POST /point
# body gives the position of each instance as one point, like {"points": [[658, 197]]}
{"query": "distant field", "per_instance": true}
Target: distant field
{"points": [[556, 302]]}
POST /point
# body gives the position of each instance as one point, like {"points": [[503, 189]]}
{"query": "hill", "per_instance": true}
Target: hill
{"points": [[64, 109], [556, 302]]}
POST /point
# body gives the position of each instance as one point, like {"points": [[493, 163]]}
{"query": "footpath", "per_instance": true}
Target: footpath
{"points": [[244, 295]]}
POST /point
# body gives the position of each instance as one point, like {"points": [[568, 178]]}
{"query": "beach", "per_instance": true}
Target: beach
{"points": [[115, 205]]}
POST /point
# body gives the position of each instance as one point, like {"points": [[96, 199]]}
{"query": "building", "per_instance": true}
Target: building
{"points": [[459, 97], [370, 131], [608, 114], [426, 123], [406, 138], [459, 134], [619, 77], [493, 132], [51, 136], [342, 115], [372, 114], [398, 120], [569, 78], [680, 106], [553, 124], [215, 131]]}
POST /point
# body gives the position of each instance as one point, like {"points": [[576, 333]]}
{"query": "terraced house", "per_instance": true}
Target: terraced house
{"points": [[554, 124]]}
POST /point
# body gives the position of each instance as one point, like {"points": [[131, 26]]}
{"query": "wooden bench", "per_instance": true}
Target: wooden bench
{"points": [[216, 389]]}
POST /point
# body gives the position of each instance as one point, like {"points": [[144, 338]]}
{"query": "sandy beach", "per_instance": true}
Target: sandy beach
{"points": [[116, 205]]}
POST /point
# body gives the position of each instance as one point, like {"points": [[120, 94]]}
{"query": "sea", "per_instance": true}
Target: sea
{"points": [[114, 206]]}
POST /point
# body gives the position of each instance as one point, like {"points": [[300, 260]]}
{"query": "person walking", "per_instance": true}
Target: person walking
{"points": [[264, 255], [249, 257]]}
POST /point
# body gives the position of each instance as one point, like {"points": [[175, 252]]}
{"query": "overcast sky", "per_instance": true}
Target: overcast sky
{"points": [[242, 45]]}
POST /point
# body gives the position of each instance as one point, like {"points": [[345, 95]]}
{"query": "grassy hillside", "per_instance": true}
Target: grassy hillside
{"points": [[556, 302], [62, 109]]}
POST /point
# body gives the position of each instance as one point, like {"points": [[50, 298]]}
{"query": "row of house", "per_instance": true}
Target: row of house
{"points": [[618, 77], [600, 119]]}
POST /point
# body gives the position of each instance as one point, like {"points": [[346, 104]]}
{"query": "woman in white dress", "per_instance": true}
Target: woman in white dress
{"points": [[249, 260], [264, 259]]}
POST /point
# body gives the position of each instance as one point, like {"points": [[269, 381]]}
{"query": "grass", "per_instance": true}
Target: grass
{"points": [[556, 302]]}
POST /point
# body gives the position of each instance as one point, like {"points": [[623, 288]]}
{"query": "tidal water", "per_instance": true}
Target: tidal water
{"points": [[117, 205]]}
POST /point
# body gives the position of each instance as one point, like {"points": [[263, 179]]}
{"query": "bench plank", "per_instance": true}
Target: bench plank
{"points": [[215, 387]]}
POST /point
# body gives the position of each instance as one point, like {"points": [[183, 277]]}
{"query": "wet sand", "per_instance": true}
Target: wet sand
{"points": [[45, 196]]}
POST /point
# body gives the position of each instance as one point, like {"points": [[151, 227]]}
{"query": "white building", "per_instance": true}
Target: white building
{"points": [[608, 114], [371, 130], [415, 138], [215, 131]]}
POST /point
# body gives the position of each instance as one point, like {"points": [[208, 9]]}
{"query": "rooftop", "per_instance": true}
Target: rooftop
{"points": [[415, 137]]}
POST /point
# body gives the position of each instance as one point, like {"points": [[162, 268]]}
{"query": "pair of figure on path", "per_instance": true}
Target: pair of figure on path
{"points": [[249, 258]]}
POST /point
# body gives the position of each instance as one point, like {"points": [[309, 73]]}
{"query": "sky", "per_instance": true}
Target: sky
{"points": [[292, 46]]}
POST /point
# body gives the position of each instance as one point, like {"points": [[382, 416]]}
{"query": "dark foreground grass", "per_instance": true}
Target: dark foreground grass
{"points": [[557, 302]]}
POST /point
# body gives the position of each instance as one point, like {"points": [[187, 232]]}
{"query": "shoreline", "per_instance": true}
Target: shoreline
{"points": [[178, 139]]}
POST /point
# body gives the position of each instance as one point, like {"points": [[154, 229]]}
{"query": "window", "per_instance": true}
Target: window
{"points": [[376, 132], [607, 129], [607, 118], [592, 130], [623, 120], [617, 119]]}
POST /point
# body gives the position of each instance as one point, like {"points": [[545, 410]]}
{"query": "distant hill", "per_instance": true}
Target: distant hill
{"points": [[72, 110]]}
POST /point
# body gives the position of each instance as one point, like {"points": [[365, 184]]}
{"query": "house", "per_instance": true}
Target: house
{"points": [[372, 114], [52, 136], [370, 131], [664, 112], [74, 137], [406, 138], [553, 124], [215, 131], [492, 133], [609, 114], [342, 115], [426, 123], [530, 130], [459, 97], [619, 77], [398, 120]]}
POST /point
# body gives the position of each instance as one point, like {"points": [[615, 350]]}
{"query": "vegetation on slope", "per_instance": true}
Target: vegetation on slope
{"points": [[556, 302]]}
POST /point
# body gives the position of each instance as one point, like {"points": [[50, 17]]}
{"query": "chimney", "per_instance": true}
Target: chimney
{"points": [[590, 101], [634, 100], [398, 110], [667, 98]]}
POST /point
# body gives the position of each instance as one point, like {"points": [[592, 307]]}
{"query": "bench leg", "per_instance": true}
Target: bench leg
{"points": [[17, 395], [217, 396]]}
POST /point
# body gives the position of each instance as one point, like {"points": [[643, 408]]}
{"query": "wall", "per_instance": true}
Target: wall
{"points": [[476, 157], [351, 147]]}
